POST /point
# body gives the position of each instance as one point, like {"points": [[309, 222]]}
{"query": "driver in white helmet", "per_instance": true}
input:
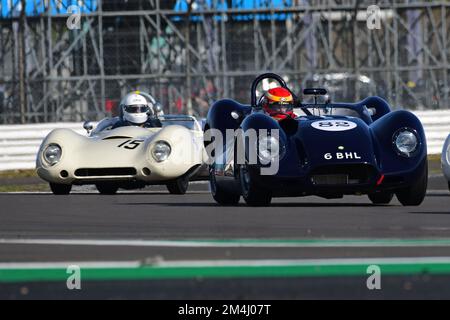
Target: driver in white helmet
{"points": [[136, 111]]}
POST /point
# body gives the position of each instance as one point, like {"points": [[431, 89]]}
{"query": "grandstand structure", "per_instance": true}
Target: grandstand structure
{"points": [[188, 53]]}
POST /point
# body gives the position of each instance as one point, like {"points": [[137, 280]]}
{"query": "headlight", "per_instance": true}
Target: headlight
{"points": [[406, 142], [161, 151], [52, 154], [269, 149]]}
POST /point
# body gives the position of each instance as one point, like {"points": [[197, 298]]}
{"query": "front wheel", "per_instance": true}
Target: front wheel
{"points": [[381, 197], [60, 189], [253, 194], [179, 186], [416, 192], [107, 188], [220, 195]]}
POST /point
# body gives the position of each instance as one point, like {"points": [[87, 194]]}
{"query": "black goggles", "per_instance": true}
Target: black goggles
{"points": [[281, 107], [138, 108]]}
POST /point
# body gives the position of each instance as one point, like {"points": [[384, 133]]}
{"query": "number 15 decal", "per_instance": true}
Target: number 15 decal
{"points": [[131, 144]]}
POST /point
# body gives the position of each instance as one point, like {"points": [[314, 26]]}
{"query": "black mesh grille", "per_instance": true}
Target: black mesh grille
{"points": [[103, 172], [343, 175]]}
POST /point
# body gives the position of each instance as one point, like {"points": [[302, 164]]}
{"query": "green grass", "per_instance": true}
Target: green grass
{"points": [[24, 188], [16, 181], [434, 164], [434, 157], [18, 174]]}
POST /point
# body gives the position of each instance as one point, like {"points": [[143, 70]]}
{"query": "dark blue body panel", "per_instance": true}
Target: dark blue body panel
{"points": [[365, 153]]}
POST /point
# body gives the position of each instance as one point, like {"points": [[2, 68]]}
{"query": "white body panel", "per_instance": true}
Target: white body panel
{"points": [[445, 159], [101, 151]]}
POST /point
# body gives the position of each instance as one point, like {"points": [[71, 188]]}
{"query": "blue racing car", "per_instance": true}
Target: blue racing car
{"points": [[280, 147]]}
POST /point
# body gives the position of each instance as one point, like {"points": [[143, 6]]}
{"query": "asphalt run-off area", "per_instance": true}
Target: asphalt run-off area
{"points": [[150, 244]]}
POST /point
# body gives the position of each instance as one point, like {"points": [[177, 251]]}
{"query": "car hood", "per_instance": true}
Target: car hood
{"points": [[129, 132], [335, 141]]}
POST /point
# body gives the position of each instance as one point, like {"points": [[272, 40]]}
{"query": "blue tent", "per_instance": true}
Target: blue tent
{"points": [[200, 5], [11, 8]]}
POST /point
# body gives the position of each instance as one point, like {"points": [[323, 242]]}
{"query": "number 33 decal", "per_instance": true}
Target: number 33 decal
{"points": [[334, 125], [131, 144]]}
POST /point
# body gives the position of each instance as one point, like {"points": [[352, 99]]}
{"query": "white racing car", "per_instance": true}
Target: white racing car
{"points": [[165, 150], [445, 160]]}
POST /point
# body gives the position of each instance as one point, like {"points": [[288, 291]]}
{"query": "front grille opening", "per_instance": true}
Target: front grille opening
{"points": [[104, 172], [117, 138], [343, 175], [393, 180], [330, 179]]}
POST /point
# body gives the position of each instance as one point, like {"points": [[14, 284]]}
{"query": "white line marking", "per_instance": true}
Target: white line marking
{"points": [[433, 176], [305, 262], [438, 192], [26, 192], [228, 263], [241, 243], [64, 265], [199, 182]]}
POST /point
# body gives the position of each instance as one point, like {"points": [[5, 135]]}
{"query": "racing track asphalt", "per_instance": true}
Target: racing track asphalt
{"points": [[154, 226]]}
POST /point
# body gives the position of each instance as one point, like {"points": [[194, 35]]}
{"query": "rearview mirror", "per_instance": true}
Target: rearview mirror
{"points": [[158, 109], [88, 126], [315, 92]]}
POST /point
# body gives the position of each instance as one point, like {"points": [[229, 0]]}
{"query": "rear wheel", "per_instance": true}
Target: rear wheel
{"points": [[253, 194], [449, 186], [220, 195], [381, 197], [107, 188], [60, 189], [416, 192], [179, 186]]}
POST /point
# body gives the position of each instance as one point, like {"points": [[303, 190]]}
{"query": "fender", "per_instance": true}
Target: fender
{"points": [[219, 115], [383, 131]]}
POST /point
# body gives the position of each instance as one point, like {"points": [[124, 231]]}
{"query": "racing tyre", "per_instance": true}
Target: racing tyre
{"points": [[253, 194], [179, 186], [414, 194], [60, 189], [107, 188], [220, 195], [381, 197]]}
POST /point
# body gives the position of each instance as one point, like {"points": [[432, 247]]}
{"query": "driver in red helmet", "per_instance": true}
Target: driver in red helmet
{"points": [[278, 103]]}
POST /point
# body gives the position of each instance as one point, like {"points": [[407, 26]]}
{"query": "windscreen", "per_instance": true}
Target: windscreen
{"points": [[323, 112], [187, 123]]}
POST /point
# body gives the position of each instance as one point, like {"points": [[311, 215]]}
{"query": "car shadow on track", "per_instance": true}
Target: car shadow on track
{"points": [[431, 212], [243, 205]]}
